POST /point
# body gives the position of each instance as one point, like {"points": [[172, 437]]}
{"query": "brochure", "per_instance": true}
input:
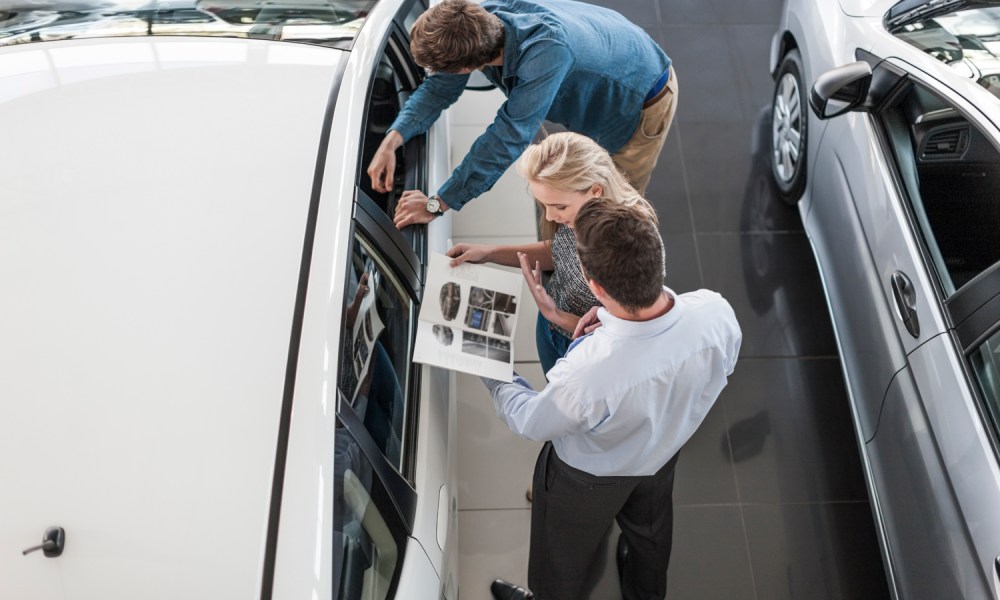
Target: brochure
{"points": [[468, 318]]}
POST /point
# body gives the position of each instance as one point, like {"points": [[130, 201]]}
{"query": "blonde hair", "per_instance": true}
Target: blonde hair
{"points": [[571, 162]]}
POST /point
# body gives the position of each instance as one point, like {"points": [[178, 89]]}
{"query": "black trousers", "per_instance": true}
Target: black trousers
{"points": [[571, 514]]}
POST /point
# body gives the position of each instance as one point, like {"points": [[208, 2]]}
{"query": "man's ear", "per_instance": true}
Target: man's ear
{"points": [[597, 289]]}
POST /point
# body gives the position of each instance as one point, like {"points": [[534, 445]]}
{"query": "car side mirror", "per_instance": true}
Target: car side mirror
{"points": [[478, 82], [840, 90]]}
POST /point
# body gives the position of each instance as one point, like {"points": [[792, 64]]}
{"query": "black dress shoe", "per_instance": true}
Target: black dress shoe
{"points": [[621, 556], [504, 590]]}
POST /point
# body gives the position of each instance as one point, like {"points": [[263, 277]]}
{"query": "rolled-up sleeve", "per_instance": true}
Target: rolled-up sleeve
{"points": [[435, 94], [540, 73]]}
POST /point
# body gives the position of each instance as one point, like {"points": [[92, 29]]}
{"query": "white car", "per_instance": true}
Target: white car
{"points": [[886, 135], [208, 317]]}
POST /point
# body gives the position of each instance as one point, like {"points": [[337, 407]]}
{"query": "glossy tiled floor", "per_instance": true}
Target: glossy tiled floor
{"points": [[769, 493]]}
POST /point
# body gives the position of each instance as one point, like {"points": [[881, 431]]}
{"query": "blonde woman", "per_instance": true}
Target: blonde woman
{"points": [[563, 171]]}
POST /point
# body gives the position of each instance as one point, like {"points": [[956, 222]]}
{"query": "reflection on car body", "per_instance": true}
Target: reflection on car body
{"points": [[886, 137], [215, 315]]}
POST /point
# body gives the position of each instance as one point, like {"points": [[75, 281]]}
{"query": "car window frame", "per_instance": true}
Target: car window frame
{"points": [[972, 310], [395, 48], [374, 226]]}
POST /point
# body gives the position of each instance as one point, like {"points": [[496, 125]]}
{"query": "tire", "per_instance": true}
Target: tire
{"points": [[789, 129]]}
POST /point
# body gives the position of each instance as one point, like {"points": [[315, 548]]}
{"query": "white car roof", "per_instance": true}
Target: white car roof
{"points": [[154, 199]]}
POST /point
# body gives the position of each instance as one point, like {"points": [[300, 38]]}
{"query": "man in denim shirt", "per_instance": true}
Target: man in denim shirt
{"points": [[582, 66]]}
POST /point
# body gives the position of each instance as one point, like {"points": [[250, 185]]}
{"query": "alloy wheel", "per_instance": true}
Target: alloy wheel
{"points": [[786, 128]]}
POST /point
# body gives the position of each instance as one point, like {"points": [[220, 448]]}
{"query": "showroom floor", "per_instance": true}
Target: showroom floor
{"points": [[770, 500]]}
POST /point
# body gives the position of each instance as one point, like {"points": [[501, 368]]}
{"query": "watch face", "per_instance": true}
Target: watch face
{"points": [[433, 204]]}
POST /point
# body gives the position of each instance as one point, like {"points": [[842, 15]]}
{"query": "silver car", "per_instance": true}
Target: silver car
{"points": [[207, 319], [886, 133]]}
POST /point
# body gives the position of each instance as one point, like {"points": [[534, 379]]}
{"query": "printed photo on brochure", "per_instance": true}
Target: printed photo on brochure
{"points": [[468, 318]]}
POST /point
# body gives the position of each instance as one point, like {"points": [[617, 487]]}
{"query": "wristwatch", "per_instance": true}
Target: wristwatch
{"points": [[434, 205]]}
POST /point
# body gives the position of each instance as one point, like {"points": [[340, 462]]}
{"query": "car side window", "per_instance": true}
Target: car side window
{"points": [[951, 170], [368, 535], [415, 11], [985, 362], [395, 77], [375, 366]]}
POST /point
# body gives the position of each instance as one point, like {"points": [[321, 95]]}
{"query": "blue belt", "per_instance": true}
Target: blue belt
{"points": [[658, 86]]}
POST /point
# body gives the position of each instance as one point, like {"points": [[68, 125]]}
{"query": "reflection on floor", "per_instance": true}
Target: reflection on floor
{"points": [[770, 501]]}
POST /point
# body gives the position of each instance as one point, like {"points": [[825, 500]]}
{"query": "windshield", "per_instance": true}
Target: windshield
{"points": [[967, 40], [324, 22]]}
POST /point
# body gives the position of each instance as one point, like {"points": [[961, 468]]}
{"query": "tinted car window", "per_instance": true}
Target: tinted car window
{"points": [[324, 22], [368, 537], [986, 366], [967, 40], [395, 77], [951, 171], [376, 350]]}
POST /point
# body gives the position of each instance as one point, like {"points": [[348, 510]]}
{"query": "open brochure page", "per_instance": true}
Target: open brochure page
{"points": [[468, 318]]}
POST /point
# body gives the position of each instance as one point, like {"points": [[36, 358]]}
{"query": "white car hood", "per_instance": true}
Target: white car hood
{"points": [[866, 8], [153, 200]]}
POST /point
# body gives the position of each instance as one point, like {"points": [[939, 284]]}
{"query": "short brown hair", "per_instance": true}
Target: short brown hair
{"points": [[620, 248], [456, 35]]}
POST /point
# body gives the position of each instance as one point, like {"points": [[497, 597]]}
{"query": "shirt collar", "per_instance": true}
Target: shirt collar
{"points": [[510, 44], [621, 327]]}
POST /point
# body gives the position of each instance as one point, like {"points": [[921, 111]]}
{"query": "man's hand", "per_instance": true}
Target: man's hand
{"points": [[587, 324], [471, 253], [383, 164], [412, 209]]}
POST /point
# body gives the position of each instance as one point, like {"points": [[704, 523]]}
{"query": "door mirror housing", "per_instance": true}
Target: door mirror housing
{"points": [[841, 90]]}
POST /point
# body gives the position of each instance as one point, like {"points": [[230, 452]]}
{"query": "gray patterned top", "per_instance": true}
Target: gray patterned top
{"points": [[567, 286]]}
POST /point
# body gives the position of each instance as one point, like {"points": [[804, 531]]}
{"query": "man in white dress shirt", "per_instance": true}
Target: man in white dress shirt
{"points": [[615, 413]]}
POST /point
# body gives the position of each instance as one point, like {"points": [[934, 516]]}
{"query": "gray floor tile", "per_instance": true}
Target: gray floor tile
{"points": [[707, 88], [705, 473], [641, 12], [791, 432], [815, 551], [683, 263], [667, 190], [772, 283], [709, 560]]}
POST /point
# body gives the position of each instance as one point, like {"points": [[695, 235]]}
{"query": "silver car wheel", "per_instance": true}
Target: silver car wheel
{"points": [[786, 128]]}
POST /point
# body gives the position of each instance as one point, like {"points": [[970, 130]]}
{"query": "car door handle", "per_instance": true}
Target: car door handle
{"points": [[906, 300]]}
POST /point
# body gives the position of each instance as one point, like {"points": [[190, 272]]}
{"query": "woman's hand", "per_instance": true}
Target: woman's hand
{"points": [[471, 253], [355, 305], [546, 305], [587, 323]]}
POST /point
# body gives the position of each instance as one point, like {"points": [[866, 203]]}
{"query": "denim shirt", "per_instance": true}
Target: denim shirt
{"points": [[585, 67]]}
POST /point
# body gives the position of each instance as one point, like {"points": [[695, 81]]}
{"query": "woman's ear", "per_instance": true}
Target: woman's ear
{"points": [[596, 190]]}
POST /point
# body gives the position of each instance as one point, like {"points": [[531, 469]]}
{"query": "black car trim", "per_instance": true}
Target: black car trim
{"points": [[375, 228], [403, 496], [979, 326], [975, 294], [295, 337], [389, 240]]}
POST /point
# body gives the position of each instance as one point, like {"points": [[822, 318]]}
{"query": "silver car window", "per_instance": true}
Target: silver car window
{"points": [[986, 366], [368, 536], [967, 40], [950, 170], [332, 23], [375, 366]]}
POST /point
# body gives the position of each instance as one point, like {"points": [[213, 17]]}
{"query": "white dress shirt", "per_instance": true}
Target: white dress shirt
{"points": [[625, 398]]}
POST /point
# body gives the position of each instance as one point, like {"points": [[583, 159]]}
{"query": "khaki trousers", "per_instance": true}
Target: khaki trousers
{"points": [[639, 155]]}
